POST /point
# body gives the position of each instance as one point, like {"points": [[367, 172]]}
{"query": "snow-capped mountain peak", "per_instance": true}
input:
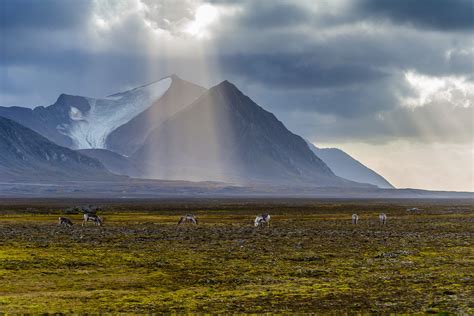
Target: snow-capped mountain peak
{"points": [[90, 129], [152, 88]]}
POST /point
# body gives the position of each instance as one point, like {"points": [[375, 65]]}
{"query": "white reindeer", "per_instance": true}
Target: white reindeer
{"points": [[260, 220], [383, 218], [97, 220], [64, 221], [188, 218], [355, 219]]}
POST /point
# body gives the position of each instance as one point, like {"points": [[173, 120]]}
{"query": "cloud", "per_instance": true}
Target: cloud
{"points": [[431, 123], [275, 14], [453, 91], [444, 15], [329, 69], [44, 14], [293, 70]]}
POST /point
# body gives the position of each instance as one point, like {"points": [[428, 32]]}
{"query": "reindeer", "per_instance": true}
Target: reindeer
{"points": [[383, 218], [188, 218], [414, 209], [355, 219], [97, 220], [64, 221], [260, 220]]}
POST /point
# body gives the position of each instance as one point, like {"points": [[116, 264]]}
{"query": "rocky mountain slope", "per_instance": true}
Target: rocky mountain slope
{"points": [[174, 129], [225, 136], [127, 138], [114, 162], [27, 156], [81, 122]]}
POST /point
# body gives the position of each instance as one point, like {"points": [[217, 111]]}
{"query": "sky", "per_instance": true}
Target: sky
{"points": [[389, 81]]}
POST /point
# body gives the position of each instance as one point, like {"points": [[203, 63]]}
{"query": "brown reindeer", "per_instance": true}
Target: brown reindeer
{"points": [[64, 221]]}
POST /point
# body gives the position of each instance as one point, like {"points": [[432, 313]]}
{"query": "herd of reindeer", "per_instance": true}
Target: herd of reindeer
{"points": [[260, 221]]}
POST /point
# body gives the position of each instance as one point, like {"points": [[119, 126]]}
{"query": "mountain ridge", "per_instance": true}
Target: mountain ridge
{"points": [[227, 136], [128, 137], [347, 167], [231, 117], [79, 122], [112, 161], [27, 155]]}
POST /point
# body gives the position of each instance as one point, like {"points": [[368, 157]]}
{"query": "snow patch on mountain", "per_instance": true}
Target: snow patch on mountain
{"points": [[90, 129], [75, 114]]}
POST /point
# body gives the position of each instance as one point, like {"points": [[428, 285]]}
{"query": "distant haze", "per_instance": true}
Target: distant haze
{"points": [[390, 82], [417, 165]]}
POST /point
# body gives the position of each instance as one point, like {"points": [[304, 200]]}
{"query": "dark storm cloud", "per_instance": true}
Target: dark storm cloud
{"points": [[354, 102], [40, 82], [292, 60], [446, 15], [421, 124], [354, 74], [48, 14], [298, 70], [280, 54], [269, 14]]}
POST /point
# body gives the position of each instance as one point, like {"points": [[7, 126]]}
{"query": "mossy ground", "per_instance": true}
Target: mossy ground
{"points": [[310, 259]]}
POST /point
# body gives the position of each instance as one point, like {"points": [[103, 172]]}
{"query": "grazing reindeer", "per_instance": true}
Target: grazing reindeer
{"points": [[414, 209], [97, 220], [383, 218], [64, 221], [355, 219], [260, 220], [188, 218]]}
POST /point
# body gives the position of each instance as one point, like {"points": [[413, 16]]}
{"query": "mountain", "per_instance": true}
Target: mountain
{"points": [[127, 138], [48, 121], [81, 122], [225, 136], [345, 166], [175, 129], [27, 156], [114, 162]]}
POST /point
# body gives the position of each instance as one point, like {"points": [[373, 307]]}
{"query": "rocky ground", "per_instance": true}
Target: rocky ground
{"points": [[311, 258]]}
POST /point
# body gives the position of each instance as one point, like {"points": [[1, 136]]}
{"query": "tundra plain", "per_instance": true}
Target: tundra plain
{"points": [[311, 258]]}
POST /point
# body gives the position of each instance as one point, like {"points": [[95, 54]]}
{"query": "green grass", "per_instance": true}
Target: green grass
{"points": [[311, 259]]}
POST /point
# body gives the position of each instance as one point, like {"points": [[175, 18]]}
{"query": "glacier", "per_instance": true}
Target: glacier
{"points": [[89, 129]]}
